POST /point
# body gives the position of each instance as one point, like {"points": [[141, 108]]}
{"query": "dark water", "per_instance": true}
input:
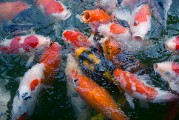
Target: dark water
{"points": [[53, 102]]}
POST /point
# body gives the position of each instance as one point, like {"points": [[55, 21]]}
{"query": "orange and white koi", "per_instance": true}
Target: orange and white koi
{"points": [[28, 45], [134, 87], [8, 10], [76, 38], [54, 8], [169, 71], [116, 31], [31, 83], [141, 22], [96, 96], [172, 44]]}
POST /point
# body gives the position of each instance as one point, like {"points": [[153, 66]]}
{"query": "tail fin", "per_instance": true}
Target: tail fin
{"points": [[51, 59]]}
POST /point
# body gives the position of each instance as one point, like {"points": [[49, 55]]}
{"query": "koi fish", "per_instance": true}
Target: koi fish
{"points": [[141, 22], [51, 58], [31, 83], [28, 45], [29, 88], [96, 15], [169, 71], [96, 96], [54, 8], [172, 44], [116, 31], [134, 87], [80, 106], [107, 5], [76, 38], [8, 10]]}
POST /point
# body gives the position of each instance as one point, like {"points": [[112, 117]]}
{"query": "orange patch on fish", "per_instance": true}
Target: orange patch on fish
{"points": [[53, 7], [96, 15], [142, 14], [112, 48], [51, 59], [131, 81], [177, 42], [34, 84], [117, 29], [98, 98]]}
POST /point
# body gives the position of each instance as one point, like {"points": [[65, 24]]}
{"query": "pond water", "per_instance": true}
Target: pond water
{"points": [[53, 102]]}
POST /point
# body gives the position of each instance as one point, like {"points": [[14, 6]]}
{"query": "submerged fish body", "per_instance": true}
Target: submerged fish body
{"points": [[169, 71], [172, 44], [107, 5], [29, 88], [24, 44], [96, 96], [134, 87], [8, 10], [54, 8]]}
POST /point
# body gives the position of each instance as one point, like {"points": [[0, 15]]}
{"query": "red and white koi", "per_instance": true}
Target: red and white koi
{"points": [[29, 88], [28, 45], [96, 96], [54, 8], [31, 83], [76, 38], [172, 44], [134, 87], [169, 71], [8, 10], [116, 31], [141, 22]]}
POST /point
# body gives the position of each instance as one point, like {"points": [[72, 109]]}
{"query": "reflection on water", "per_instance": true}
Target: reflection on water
{"points": [[53, 102]]}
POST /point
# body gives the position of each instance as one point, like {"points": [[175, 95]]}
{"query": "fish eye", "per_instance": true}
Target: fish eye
{"points": [[167, 73], [136, 22], [26, 96], [75, 80], [80, 38]]}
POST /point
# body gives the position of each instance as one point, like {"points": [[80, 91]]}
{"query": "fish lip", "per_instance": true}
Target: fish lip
{"points": [[155, 66], [137, 38], [86, 16]]}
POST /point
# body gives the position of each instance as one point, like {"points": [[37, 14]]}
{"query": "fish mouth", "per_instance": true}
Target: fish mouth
{"points": [[155, 66], [138, 38], [86, 16]]}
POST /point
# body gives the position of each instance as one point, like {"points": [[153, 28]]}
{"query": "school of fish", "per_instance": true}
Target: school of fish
{"points": [[121, 31]]}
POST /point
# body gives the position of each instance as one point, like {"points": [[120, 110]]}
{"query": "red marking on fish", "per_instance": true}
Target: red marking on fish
{"points": [[141, 15], [14, 45], [76, 38], [175, 67], [117, 29], [130, 81], [30, 42], [34, 84], [177, 42], [51, 59], [53, 7], [4, 49]]}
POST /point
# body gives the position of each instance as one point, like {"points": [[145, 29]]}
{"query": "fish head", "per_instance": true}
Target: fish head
{"points": [[76, 38], [172, 44], [21, 103], [141, 22], [168, 70]]}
